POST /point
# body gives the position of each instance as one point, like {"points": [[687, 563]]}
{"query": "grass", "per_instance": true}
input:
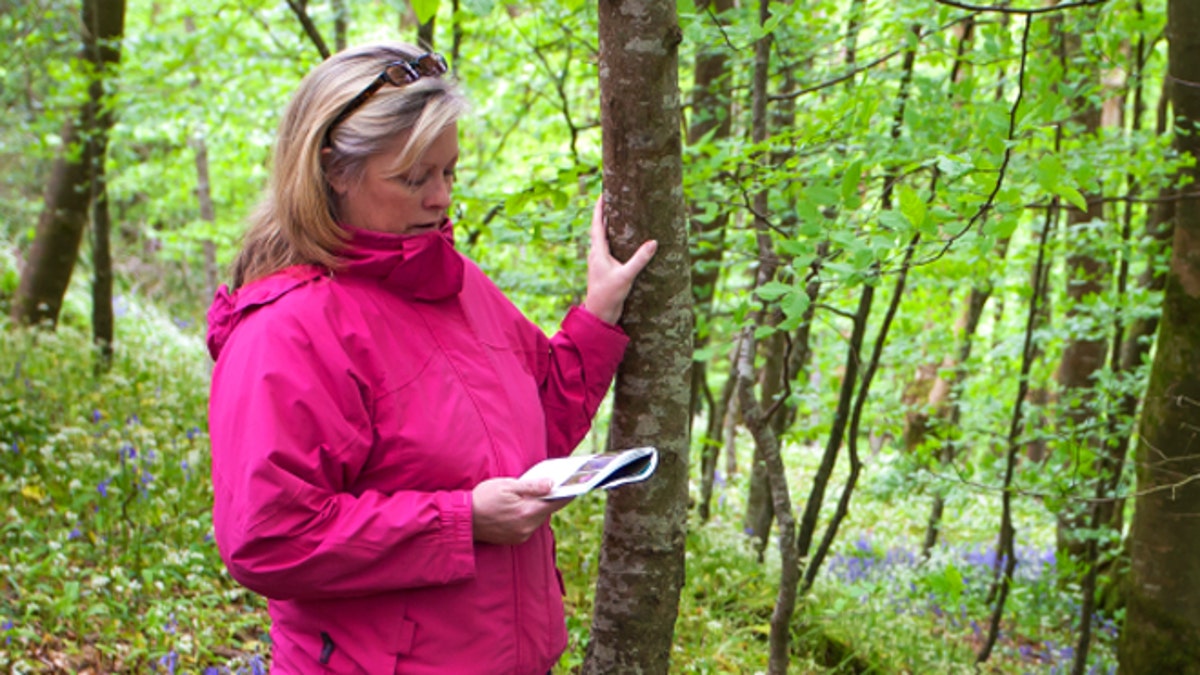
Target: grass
{"points": [[108, 562]]}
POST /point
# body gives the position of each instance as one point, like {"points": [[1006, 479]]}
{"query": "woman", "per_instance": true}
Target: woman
{"points": [[374, 395]]}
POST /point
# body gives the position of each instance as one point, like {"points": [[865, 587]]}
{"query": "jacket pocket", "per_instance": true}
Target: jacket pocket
{"points": [[339, 642]]}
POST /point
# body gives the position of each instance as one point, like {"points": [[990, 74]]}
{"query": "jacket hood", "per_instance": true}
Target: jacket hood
{"points": [[423, 267]]}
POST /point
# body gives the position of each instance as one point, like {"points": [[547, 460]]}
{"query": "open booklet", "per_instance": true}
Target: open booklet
{"points": [[578, 474]]}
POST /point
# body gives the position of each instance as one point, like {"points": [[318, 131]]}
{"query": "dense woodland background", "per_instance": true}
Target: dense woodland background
{"points": [[940, 406]]}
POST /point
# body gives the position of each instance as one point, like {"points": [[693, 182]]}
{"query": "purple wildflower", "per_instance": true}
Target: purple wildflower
{"points": [[169, 661]]}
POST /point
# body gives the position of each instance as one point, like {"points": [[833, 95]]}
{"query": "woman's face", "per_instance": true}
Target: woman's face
{"points": [[411, 202]]}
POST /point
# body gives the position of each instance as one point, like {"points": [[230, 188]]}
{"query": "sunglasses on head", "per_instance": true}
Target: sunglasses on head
{"points": [[397, 74]]}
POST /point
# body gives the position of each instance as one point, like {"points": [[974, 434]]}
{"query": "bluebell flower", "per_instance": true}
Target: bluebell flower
{"points": [[169, 661], [96, 415], [256, 666], [103, 487], [16, 448], [133, 420], [74, 533], [193, 433]]}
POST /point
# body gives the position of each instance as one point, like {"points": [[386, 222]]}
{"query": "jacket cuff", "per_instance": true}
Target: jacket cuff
{"points": [[455, 514], [594, 335]]}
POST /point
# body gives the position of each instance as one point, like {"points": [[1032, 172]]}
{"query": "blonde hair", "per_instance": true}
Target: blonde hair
{"points": [[295, 221]]}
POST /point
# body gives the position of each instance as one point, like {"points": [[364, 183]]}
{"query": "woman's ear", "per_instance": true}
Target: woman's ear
{"points": [[336, 179]]}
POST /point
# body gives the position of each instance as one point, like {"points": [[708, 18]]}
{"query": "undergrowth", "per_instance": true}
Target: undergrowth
{"points": [[108, 562]]}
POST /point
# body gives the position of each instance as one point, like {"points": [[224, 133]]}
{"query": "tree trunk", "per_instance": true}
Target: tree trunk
{"points": [[1087, 276], [710, 114], [943, 398], [425, 34], [341, 23], [208, 213], [1162, 622], [52, 257], [102, 269], [642, 557], [759, 504]]}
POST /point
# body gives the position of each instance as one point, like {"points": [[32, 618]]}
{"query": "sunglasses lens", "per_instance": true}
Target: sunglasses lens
{"points": [[431, 65], [400, 74]]}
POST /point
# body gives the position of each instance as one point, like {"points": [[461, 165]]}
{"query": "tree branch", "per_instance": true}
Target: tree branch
{"points": [[300, 9], [1016, 10]]}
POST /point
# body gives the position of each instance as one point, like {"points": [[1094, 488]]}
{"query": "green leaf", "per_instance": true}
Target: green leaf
{"points": [[1049, 173], [948, 585], [772, 290], [478, 7], [1072, 195], [894, 220], [850, 181], [793, 247], [759, 32], [794, 305], [424, 9], [912, 206]]}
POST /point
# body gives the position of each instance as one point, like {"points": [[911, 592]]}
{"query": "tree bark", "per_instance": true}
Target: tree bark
{"points": [[208, 211], [425, 34], [760, 506], [642, 557], [47, 272], [341, 23], [1087, 276], [1162, 622], [102, 269], [710, 114]]}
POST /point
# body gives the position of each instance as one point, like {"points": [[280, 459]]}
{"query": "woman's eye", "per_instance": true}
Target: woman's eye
{"points": [[412, 182]]}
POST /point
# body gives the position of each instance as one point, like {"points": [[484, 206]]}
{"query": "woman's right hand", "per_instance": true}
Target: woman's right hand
{"points": [[510, 510]]}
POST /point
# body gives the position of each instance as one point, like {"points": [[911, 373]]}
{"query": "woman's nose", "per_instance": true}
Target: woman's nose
{"points": [[438, 196]]}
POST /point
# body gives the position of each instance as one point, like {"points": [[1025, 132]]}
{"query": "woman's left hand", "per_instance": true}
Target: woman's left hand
{"points": [[609, 279]]}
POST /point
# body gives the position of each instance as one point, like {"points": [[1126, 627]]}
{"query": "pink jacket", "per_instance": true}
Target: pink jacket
{"points": [[351, 415]]}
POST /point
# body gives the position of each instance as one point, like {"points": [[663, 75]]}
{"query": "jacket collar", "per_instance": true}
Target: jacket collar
{"points": [[423, 267]]}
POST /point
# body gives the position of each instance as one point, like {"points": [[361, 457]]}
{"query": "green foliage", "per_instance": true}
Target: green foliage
{"points": [[850, 181], [108, 559]]}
